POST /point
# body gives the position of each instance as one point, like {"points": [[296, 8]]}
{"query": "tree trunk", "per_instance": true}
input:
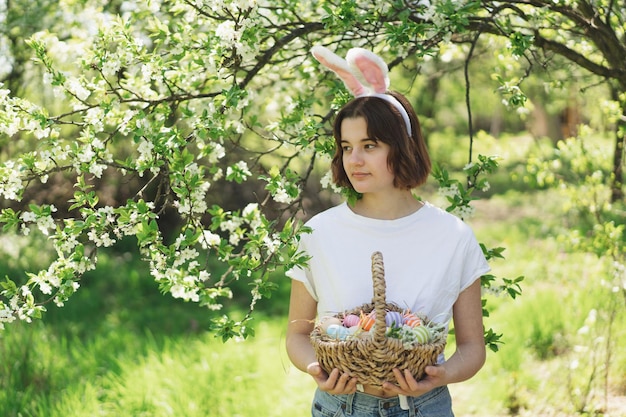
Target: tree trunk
{"points": [[617, 190]]}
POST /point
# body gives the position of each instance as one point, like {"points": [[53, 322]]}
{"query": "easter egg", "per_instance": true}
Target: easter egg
{"points": [[351, 320], [367, 320], [393, 319], [421, 334], [337, 331], [325, 322], [412, 320]]}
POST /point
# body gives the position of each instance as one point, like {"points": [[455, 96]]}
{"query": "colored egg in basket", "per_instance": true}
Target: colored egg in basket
{"points": [[412, 320], [351, 320], [325, 322], [421, 334], [367, 321], [338, 331], [393, 319]]}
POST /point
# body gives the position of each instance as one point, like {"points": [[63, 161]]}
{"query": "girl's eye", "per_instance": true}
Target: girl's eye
{"points": [[346, 148]]}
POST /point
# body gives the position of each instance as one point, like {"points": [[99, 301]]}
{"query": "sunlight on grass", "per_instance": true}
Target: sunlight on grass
{"points": [[196, 377]]}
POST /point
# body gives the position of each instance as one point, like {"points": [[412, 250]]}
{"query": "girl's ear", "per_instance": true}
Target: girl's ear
{"points": [[340, 67], [369, 68]]}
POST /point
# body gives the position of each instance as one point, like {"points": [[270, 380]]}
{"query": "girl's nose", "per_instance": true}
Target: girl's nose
{"points": [[355, 157]]}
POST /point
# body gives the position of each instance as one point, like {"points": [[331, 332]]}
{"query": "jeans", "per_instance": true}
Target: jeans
{"points": [[436, 403]]}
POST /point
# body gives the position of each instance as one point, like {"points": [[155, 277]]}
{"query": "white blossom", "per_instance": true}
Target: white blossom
{"points": [[272, 243], [45, 224], [234, 238], [6, 316], [209, 239], [450, 191], [45, 288], [187, 294], [94, 117], [97, 169], [86, 154], [231, 225], [10, 181], [28, 217], [226, 31], [76, 88], [464, 212], [217, 153], [184, 255], [111, 66], [100, 238], [281, 196]]}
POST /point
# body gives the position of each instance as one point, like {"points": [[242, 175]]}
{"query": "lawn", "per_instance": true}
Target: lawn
{"points": [[120, 348]]}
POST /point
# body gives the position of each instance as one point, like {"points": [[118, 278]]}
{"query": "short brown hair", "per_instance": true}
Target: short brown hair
{"points": [[408, 157]]}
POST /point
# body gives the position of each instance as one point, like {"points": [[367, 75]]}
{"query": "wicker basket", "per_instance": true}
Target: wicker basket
{"points": [[373, 359]]}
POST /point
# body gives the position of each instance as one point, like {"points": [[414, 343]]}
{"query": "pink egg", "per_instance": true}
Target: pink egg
{"points": [[350, 320]]}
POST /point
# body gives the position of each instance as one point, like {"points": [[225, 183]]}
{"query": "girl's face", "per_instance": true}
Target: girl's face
{"points": [[364, 158]]}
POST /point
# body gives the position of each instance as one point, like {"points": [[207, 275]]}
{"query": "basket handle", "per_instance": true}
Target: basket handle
{"points": [[379, 298]]}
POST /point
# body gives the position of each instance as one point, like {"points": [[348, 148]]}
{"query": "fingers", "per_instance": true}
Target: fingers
{"points": [[314, 369], [405, 380], [407, 385], [435, 371], [334, 383], [340, 383], [402, 385]]}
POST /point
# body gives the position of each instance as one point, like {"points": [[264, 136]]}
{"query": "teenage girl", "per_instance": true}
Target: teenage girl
{"points": [[433, 262]]}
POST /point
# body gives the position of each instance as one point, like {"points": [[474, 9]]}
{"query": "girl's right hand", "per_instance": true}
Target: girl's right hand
{"points": [[335, 383]]}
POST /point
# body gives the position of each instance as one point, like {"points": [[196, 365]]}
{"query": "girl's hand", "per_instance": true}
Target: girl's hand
{"points": [[409, 386], [334, 383]]}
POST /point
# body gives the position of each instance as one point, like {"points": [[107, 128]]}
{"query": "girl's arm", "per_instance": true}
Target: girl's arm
{"points": [[468, 357], [470, 352], [302, 313]]}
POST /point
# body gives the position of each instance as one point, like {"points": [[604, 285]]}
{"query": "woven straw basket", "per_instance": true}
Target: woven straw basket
{"points": [[371, 360]]}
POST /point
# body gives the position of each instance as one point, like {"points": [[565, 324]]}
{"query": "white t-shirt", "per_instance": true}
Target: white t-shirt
{"points": [[430, 257]]}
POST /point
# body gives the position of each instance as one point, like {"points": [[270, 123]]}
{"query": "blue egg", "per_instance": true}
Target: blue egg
{"points": [[337, 331]]}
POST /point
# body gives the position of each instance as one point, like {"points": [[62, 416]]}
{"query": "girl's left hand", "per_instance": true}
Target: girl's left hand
{"points": [[409, 386]]}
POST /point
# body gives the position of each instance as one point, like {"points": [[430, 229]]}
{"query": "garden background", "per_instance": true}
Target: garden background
{"points": [[157, 159]]}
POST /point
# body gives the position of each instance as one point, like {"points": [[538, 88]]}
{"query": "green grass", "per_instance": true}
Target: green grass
{"points": [[121, 348], [532, 373], [125, 374]]}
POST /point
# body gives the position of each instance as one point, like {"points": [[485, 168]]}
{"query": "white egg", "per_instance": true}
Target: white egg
{"points": [[329, 321]]}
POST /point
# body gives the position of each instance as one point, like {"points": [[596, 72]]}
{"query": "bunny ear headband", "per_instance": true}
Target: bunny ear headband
{"points": [[364, 73]]}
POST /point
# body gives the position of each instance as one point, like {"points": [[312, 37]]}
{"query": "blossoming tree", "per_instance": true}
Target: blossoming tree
{"points": [[178, 98]]}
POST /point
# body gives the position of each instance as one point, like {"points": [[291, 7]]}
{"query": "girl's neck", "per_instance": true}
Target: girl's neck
{"points": [[386, 206]]}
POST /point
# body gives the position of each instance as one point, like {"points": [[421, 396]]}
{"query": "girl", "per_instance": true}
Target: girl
{"points": [[432, 260]]}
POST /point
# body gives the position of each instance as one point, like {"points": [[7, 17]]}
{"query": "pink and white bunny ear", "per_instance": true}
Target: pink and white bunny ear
{"points": [[369, 68], [364, 73], [340, 67]]}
